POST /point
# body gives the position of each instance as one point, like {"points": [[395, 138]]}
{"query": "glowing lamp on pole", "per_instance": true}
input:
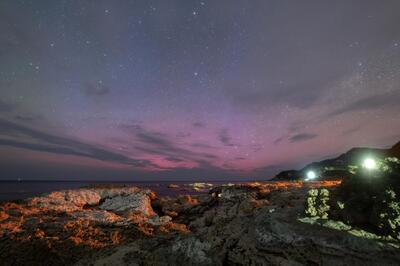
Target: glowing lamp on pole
{"points": [[369, 164], [311, 175]]}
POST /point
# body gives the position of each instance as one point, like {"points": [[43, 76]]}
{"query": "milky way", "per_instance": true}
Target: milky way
{"points": [[193, 89]]}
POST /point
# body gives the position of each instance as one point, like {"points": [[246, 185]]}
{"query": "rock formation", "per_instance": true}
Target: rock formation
{"points": [[244, 224]]}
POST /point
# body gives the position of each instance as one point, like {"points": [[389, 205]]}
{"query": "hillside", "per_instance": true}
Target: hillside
{"points": [[337, 167]]}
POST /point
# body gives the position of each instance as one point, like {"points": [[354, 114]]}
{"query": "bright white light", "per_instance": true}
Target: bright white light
{"points": [[311, 175], [369, 164]]}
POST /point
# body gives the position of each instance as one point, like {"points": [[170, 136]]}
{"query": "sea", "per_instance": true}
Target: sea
{"points": [[22, 189]]}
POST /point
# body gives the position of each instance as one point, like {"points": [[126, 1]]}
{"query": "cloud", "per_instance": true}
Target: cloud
{"points": [[198, 124], [183, 134], [6, 107], [45, 142], [28, 118], [301, 94], [174, 159], [205, 171], [368, 103], [302, 137], [350, 131], [256, 147], [96, 89], [157, 143], [225, 138], [155, 139], [202, 145]]}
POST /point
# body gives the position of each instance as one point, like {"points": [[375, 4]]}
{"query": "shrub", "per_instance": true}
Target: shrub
{"points": [[317, 203], [386, 214], [369, 198]]}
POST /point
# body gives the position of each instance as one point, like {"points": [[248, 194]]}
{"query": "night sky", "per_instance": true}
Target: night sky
{"points": [[145, 90]]}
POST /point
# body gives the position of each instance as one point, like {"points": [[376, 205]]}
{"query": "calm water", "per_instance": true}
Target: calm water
{"points": [[14, 190]]}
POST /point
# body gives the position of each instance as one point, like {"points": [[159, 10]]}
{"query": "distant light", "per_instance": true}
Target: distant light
{"points": [[369, 164], [311, 175]]}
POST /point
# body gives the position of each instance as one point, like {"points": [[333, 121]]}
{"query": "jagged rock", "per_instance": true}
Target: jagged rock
{"points": [[173, 186], [76, 199], [67, 200], [203, 187], [236, 225], [99, 216], [157, 220], [72, 222], [3, 216], [192, 250], [138, 202], [173, 206], [234, 193]]}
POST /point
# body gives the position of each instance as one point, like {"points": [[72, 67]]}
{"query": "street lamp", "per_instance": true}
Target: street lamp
{"points": [[369, 164], [311, 175]]}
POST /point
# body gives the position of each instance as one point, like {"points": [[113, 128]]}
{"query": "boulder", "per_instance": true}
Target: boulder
{"points": [[67, 200], [137, 203]]}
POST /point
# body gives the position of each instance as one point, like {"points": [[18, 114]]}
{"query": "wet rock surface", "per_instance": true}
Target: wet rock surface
{"points": [[248, 224]]}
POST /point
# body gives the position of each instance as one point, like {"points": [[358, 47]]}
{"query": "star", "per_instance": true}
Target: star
{"points": [[166, 65]]}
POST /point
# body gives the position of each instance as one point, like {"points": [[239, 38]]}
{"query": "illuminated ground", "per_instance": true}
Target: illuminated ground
{"points": [[243, 224]]}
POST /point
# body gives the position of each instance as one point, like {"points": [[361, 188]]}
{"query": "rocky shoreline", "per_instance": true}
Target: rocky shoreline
{"points": [[242, 224]]}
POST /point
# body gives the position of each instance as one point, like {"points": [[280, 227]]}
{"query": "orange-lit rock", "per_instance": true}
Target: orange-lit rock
{"points": [[3, 216], [232, 225]]}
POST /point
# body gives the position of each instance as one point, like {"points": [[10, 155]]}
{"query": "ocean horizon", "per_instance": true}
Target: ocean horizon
{"points": [[22, 189]]}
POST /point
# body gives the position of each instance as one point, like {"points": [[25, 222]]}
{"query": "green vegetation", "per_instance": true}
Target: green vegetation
{"points": [[386, 214], [317, 203], [367, 199]]}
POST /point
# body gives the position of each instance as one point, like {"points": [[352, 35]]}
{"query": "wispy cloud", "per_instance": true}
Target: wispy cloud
{"points": [[157, 143], [372, 102], [202, 145], [183, 134], [198, 124], [44, 142], [28, 118], [278, 140], [225, 138], [302, 137]]}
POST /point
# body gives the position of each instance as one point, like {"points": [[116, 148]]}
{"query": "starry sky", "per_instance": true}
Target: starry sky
{"points": [[185, 89]]}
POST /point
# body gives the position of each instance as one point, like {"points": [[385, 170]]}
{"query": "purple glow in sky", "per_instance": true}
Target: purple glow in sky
{"points": [[193, 89]]}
